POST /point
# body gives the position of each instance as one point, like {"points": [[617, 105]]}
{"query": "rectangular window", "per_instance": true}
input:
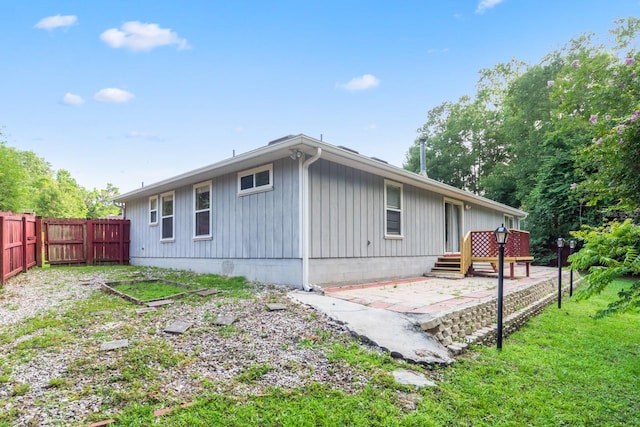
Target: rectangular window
{"points": [[167, 209], [256, 179], [509, 221], [153, 210], [202, 210], [393, 209]]}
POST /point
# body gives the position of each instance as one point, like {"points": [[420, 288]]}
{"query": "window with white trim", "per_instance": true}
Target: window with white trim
{"points": [[255, 180], [393, 209], [202, 210], [153, 210], [167, 207], [509, 221]]}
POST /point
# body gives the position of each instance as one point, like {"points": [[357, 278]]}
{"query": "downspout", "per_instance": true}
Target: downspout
{"points": [[306, 219]]}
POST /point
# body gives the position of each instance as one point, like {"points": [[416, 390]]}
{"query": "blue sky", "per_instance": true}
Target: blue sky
{"points": [[127, 92]]}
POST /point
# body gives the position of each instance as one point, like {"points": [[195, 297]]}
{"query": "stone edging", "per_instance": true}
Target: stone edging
{"points": [[476, 324]]}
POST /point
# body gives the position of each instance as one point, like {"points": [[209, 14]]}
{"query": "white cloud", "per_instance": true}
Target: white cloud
{"points": [[72, 99], [443, 50], [53, 22], [363, 82], [138, 36], [487, 4], [111, 94]]}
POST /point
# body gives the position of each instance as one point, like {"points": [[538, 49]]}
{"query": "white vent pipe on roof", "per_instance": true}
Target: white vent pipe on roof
{"points": [[423, 167]]}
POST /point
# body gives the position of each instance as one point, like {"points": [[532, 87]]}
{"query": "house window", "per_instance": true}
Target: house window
{"points": [[202, 210], [256, 179], [393, 209], [153, 210], [509, 222], [167, 209]]}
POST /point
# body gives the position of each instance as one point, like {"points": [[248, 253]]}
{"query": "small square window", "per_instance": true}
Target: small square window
{"points": [[255, 180]]}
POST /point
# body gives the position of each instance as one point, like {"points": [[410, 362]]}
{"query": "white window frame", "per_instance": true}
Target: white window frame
{"points": [[253, 172], [196, 211], [152, 210], [387, 235], [172, 216], [509, 218]]}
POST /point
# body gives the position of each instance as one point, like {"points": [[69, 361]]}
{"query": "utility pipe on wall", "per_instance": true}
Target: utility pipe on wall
{"points": [[306, 218]]}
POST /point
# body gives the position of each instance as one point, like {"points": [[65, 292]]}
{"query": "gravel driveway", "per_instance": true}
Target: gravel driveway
{"points": [[62, 383]]}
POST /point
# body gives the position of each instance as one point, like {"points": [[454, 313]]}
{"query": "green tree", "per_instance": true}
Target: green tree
{"points": [[599, 94], [100, 202], [12, 178], [61, 197]]}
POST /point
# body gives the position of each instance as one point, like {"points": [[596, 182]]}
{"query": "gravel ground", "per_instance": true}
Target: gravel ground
{"points": [[261, 350]]}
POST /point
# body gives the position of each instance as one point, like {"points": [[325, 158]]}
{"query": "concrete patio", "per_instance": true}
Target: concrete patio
{"points": [[449, 313]]}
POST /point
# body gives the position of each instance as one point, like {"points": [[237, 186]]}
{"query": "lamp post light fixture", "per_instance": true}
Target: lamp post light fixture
{"points": [[502, 235], [572, 247], [560, 242]]}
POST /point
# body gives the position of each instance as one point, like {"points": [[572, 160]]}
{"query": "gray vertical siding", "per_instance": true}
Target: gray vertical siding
{"points": [[262, 225], [347, 216], [481, 218]]}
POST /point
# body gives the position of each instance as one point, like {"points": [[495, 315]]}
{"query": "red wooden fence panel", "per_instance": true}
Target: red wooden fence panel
{"points": [[64, 240], [108, 241], [80, 241], [17, 244]]}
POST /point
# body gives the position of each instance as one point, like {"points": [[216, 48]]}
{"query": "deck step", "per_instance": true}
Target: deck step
{"points": [[451, 269], [447, 263]]}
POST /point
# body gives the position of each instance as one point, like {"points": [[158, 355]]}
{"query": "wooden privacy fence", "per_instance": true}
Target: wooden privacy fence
{"points": [[26, 241], [85, 241], [18, 244]]}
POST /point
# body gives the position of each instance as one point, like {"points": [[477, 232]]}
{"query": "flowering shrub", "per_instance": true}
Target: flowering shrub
{"points": [[610, 252]]}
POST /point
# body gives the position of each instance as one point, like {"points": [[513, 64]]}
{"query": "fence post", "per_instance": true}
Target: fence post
{"points": [[24, 243], [39, 243], [89, 241], [121, 242], [1, 250]]}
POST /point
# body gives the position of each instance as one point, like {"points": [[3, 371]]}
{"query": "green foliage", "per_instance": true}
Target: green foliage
{"points": [[598, 95], [559, 139], [100, 203], [610, 252], [29, 184], [12, 178]]}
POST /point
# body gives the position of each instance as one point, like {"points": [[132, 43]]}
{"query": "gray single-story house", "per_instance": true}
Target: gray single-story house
{"points": [[301, 212]]}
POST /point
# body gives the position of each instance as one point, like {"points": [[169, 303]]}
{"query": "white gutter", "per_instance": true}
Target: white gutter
{"points": [[305, 204]]}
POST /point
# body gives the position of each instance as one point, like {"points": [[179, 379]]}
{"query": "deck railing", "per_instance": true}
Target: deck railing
{"points": [[480, 245]]}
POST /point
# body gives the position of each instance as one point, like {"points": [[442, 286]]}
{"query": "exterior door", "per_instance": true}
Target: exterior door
{"points": [[452, 226]]}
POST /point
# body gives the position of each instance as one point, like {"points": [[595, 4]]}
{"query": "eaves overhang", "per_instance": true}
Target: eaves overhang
{"points": [[308, 146]]}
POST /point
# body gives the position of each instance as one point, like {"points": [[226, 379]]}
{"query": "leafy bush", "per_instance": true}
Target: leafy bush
{"points": [[610, 252]]}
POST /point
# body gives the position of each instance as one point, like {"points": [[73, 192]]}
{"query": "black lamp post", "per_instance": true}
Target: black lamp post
{"points": [[502, 235], [560, 246], [572, 247]]}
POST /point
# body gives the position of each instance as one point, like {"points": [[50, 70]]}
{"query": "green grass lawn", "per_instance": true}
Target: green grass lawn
{"points": [[563, 368]]}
